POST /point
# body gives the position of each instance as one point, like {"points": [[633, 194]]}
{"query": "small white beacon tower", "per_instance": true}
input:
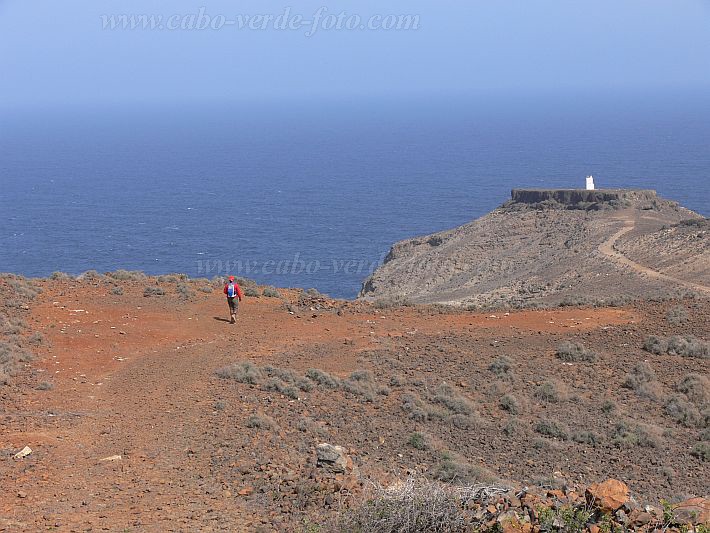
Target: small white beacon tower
{"points": [[590, 183]]}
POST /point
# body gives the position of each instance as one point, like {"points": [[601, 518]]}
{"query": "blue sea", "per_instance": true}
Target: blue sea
{"points": [[314, 194]]}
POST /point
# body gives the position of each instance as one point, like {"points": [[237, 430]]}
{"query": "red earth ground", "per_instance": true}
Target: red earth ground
{"points": [[138, 433]]}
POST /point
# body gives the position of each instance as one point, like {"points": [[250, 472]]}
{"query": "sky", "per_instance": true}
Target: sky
{"points": [[56, 53]]}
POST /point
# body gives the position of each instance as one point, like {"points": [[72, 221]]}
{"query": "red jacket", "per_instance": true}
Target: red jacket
{"points": [[236, 286]]}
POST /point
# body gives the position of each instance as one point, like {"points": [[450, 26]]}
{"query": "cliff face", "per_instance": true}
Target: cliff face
{"points": [[543, 246]]}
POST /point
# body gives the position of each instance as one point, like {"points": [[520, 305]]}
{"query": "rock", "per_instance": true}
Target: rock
{"points": [[22, 494], [693, 511], [24, 452], [246, 491], [112, 458], [333, 459], [608, 496]]}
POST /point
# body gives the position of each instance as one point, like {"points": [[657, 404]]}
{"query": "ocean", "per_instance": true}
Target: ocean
{"points": [[314, 194]]}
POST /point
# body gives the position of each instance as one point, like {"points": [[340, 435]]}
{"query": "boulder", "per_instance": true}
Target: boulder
{"points": [[333, 459], [694, 511], [608, 496]]}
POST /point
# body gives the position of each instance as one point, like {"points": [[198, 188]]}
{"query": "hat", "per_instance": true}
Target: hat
{"points": [[231, 278]]}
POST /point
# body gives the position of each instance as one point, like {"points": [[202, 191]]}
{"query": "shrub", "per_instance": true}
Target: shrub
{"points": [[305, 385], [575, 353], [414, 407], [454, 469], [696, 387], [501, 368], [323, 378], [153, 291], [448, 397], [277, 385], [409, 507], [628, 435], [586, 437], [252, 292], [205, 288], [36, 339], [271, 292], [418, 441], [512, 427], [642, 379], [260, 422], [677, 316], [510, 403], [608, 407], [117, 290], [548, 392], [685, 346], [127, 275], [684, 412], [244, 372], [550, 428], [184, 291], [60, 276], [45, 385], [701, 450], [392, 302]]}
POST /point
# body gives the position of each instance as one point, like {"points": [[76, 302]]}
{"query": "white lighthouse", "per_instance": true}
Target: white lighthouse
{"points": [[590, 183]]}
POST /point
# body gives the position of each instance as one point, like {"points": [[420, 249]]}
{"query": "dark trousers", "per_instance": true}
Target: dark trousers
{"points": [[233, 305]]}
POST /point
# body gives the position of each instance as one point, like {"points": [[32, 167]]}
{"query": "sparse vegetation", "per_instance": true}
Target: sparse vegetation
{"points": [[323, 378], [36, 339], [575, 353], [127, 275], [685, 413], [550, 428], [117, 290], [184, 291], [271, 292], [501, 367], [702, 451], [454, 469], [244, 372], [418, 441], [677, 316], [391, 302], [685, 346], [45, 386], [153, 291], [509, 403], [447, 396], [548, 392], [627, 435], [642, 380], [251, 292], [205, 288], [260, 421]]}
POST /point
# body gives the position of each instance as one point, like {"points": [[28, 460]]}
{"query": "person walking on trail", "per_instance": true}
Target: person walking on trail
{"points": [[234, 296]]}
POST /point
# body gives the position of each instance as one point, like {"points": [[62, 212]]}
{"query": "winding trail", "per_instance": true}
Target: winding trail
{"points": [[608, 248]]}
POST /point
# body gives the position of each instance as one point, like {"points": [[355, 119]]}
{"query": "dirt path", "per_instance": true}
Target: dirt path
{"points": [[609, 249], [119, 444]]}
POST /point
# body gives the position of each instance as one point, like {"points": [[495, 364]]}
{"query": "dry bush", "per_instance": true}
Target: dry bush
{"points": [[244, 372], [627, 435], [642, 380], [153, 291], [419, 441], [183, 289], [271, 292], [261, 421], [414, 506], [696, 387], [549, 391], [685, 413], [550, 428], [36, 339], [117, 290], [510, 403], [415, 407], [501, 367], [452, 468], [682, 345], [447, 396], [677, 316], [127, 275], [278, 385], [322, 378], [60, 276], [701, 450], [575, 353], [45, 386]]}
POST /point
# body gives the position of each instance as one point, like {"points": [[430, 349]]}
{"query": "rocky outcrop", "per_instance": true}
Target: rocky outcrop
{"points": [[548, 247], [584, 199]]}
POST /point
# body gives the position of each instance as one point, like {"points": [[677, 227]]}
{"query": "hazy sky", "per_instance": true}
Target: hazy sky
{"points": [[57, 52]]}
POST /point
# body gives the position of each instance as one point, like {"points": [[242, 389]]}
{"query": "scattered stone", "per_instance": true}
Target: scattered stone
{"points": [[694, 511], [333, 458], [609, 495], [246, 491], [112, 458], [22, 494], [24, 452]]}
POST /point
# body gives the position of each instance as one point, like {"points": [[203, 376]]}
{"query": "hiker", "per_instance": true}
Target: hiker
{"points": [[234, 296]]}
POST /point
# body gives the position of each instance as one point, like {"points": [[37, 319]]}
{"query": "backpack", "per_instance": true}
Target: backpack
{"points": [[231, 290]]}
